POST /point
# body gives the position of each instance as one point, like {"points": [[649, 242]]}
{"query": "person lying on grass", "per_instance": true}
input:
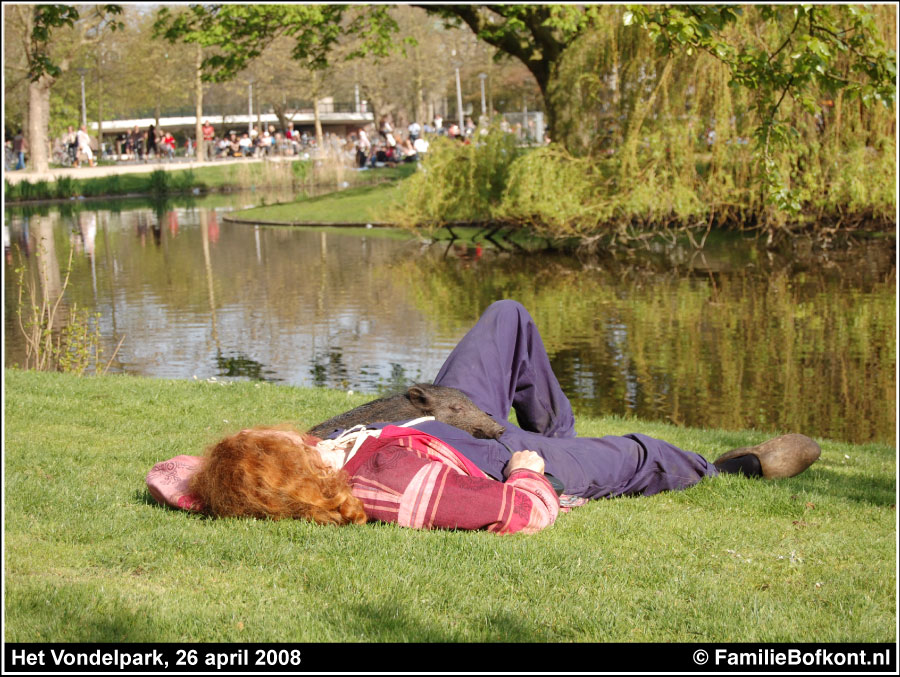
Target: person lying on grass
{"points": [[428, 474]]}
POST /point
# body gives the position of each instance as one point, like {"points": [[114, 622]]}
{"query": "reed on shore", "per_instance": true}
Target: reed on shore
{"points": [[298, 175]]}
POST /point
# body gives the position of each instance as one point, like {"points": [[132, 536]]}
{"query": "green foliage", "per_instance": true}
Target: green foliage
{"points": [[804, 53], [300, 170], [807, 52], [159, 182], [554, 193], [829, 47], [114, 185], [459, 182], [79, 345], [62, 111], [26, 191], [162, 182], [47, 18], [240, 33], [536, 35], [657, 136], [183, 182], [64, 187], [673, 181]]}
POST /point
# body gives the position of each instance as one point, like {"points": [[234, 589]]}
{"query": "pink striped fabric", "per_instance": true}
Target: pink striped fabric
{"points": [[407, 478]]}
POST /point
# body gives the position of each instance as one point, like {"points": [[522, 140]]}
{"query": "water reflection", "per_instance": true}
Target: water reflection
{"points": [[730, 337]]}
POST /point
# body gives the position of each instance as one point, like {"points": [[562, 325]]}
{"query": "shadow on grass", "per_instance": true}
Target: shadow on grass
{"points": [[856, 484], [385, 621], [144, 496], [76, 613], [877, 490]]}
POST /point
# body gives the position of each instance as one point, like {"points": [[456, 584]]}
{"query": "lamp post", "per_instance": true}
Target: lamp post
{"points": [[81, 72], [482, 77], [456, 64], [525, 118], [250, 115]]}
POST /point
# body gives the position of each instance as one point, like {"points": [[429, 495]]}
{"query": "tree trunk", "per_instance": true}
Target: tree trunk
{"points": [[616, 97], [99, 116], [39, 123], [319, 138], [199, 150], [318, 122], [281, 113], [419, 110], [550, 115]]}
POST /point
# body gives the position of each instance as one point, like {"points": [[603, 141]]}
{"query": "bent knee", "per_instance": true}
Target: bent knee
{"points": [[506, 307]]}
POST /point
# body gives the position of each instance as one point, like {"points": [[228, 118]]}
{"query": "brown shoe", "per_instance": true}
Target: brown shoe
{"points": [[783, 456]]}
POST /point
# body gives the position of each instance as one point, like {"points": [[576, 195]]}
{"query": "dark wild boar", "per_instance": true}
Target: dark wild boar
{"points": [[447, 405]]}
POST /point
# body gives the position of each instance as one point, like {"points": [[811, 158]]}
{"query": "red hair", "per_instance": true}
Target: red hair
{"points": [[269, 472]]}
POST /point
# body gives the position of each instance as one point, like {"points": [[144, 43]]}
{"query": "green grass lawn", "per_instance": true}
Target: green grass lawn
{"points": [[362, 204], [89, 557], [365, 204]]}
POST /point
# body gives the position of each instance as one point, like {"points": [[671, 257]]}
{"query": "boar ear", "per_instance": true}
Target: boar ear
{"points": [[419, 397]]}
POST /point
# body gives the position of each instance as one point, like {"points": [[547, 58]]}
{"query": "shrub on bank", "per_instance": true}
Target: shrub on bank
{"points": [[552, 193], [459, 182]]}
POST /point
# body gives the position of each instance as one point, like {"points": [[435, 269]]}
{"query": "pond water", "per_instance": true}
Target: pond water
{"points": [[734, 337]]}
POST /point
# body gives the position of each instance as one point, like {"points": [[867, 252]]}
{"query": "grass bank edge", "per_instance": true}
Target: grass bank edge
{"points": [[224, 177]]}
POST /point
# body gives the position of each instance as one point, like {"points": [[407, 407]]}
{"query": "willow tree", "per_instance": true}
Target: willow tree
{"points": [[772, 54], [672, 137], [796, 53]]}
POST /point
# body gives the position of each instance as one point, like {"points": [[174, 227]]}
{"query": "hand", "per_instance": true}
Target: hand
{"points": [[529, 460]]}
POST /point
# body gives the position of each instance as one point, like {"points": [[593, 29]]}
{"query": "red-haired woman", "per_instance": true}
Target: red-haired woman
{"points": [[426, 473], [393, 474]]}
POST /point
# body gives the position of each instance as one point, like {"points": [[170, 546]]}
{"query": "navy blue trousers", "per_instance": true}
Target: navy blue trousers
{"points": [[501, 364]]}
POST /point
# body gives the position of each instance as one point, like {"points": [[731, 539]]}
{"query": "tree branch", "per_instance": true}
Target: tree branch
{"points": [[783, 93], [506, 40], [550, 46], [787, 40]]}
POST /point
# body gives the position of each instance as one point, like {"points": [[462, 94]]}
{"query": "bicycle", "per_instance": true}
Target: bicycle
{"points": [[62, 157]]}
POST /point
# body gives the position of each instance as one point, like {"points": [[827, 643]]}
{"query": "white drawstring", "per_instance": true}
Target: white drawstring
{"points": [[359, 434]]}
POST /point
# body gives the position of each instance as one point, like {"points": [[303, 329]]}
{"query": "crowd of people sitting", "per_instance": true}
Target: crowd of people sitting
{"points": [[367, 147], [268, 142], [152, 143], [391, 147], [363, 147]]}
